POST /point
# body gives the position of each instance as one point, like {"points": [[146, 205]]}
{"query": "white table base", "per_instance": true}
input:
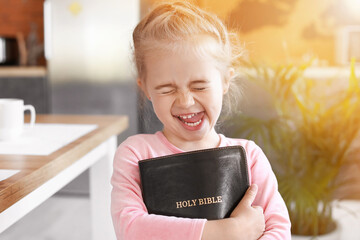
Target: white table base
{"points": [[99, 160]]}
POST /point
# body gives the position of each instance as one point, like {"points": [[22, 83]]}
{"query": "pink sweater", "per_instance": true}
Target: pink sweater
{"points": [[131, 219]]}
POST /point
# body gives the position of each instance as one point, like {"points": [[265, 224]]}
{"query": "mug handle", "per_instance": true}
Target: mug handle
{"points": [[32, 113]]}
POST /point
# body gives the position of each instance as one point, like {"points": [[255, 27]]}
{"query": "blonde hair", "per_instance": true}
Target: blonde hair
{"points": [[171, 26]]}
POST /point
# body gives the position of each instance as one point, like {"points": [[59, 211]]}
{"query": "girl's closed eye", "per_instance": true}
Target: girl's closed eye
{"points": [[199, 88], [200, 85], [166, 91]]}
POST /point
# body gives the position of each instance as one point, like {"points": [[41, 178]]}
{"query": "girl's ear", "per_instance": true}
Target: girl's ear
{"points": [[229, 75], [142, 86], [139, 83]]}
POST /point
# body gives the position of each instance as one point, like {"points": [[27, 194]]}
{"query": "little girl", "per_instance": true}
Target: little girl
{"points": [[184, 60]]}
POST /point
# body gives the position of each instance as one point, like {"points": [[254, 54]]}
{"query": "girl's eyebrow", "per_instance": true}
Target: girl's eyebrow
{"points": [[199, 81], [170, 85]]}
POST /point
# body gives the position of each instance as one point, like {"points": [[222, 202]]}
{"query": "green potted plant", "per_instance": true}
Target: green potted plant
{"points": [[308, 137]]}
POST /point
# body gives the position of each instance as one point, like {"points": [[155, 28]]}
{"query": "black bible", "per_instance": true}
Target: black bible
{"points": [[207, 183]]}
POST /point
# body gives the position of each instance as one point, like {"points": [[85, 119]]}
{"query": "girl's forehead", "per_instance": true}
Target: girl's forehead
{"points": [[200, 45], [179, 68], [187, 60], [202, 48]]}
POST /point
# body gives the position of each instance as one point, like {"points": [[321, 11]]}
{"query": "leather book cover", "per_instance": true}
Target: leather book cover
{"points": [[207, 183]]}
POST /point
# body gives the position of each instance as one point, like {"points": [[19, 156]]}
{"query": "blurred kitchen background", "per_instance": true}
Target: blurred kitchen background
{"points": [[74, 57]]}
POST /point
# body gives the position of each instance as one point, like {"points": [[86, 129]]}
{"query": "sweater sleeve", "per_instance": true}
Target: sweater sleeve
{"points": [[130, 217], [277, 222]]}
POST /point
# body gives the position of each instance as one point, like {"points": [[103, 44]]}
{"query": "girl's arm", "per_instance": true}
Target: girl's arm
{"points": [[130, 217], [275, 214], [277, 222]]}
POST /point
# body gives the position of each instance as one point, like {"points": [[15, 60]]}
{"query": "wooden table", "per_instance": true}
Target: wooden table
{"points": [[42, 176]]}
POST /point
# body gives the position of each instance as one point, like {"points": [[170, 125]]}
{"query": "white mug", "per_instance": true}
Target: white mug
{"points": [[12, 117]]}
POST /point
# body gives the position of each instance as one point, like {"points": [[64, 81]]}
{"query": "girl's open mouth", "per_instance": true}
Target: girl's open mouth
{"points": [[192, 120]]}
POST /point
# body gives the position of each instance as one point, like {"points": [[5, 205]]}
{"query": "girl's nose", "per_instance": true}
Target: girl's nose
{"points": [[185, 99]]}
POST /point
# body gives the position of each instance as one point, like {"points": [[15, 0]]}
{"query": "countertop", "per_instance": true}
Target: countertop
{"points": [[38, 71]]}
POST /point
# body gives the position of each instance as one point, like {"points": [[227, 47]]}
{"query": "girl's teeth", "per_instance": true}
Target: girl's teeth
{"points": [[193, 124], [188, 116]]}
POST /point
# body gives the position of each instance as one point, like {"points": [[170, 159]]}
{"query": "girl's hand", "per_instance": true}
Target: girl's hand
{"points": [[248, 218], [245, 222]]}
